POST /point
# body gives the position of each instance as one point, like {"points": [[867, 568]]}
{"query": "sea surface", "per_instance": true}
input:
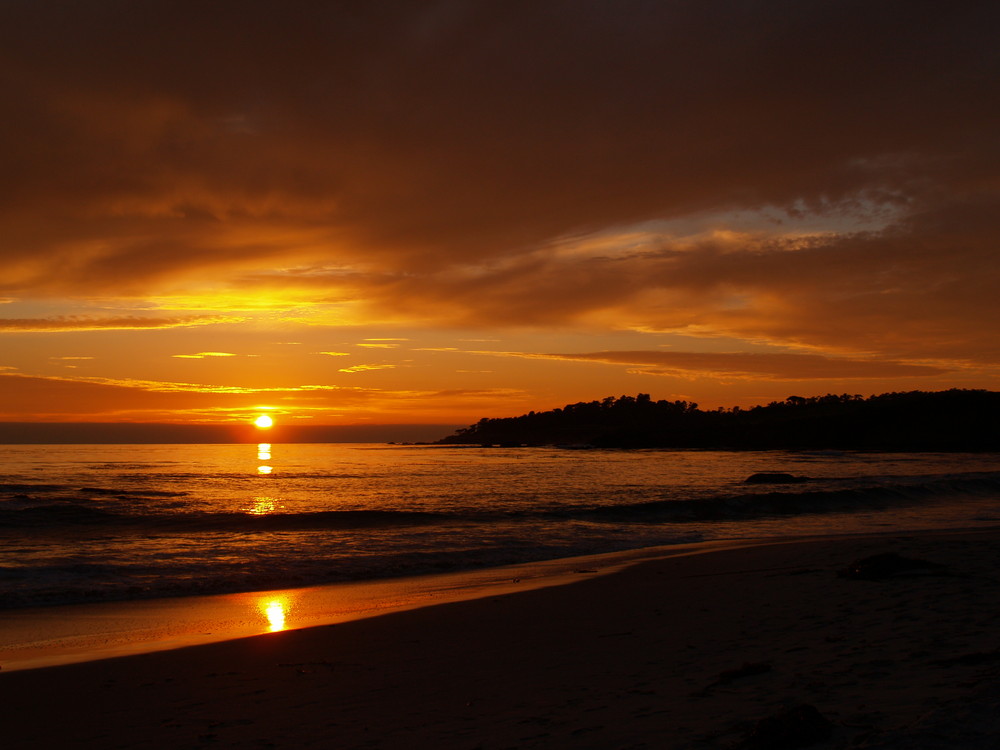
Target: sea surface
{"points": [[114, 522]]}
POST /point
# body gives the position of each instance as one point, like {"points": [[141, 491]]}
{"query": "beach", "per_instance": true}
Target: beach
{"points": [[757, 646]]}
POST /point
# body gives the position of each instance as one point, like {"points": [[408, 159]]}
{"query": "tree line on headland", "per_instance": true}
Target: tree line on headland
{"points": [[954, 420]]}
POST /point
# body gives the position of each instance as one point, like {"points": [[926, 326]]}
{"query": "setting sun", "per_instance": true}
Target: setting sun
{"points": [[350, 308]]}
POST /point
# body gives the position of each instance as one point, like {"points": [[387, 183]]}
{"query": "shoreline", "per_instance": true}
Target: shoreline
{"points": [[56, 635], [688, 651]]}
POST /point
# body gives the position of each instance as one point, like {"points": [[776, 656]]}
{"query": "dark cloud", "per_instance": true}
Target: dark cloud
{"points": [[921, 289], [777, 366], [432, 154]]}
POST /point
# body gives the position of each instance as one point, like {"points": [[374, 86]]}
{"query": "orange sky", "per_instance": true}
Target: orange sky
{"points": [[431, 212]]}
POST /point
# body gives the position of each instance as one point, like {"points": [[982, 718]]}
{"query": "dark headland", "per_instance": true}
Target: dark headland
{"points": [[953, 420]]}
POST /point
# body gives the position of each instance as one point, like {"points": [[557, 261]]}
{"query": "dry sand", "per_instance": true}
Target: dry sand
{"points": [[686, 652]]}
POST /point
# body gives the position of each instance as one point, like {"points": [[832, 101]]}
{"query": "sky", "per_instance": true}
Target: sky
{"points": [[378, 212]]}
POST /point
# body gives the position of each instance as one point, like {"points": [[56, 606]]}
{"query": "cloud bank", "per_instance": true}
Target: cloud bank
{"points": [[753, 365], [815, 175]]}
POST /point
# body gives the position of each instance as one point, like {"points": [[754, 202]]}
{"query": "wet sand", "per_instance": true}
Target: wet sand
{"points": [[762, 646]]}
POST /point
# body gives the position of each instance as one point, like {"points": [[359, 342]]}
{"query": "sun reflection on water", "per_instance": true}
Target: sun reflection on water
{"points": [[264, 454], [275, 610], [262, 505]]}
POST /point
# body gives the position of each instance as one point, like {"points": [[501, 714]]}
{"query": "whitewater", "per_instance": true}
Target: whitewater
{"points": [[91, 523]]}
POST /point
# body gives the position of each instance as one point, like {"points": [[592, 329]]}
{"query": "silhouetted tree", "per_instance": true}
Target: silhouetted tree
{"points": [[945, 420]]}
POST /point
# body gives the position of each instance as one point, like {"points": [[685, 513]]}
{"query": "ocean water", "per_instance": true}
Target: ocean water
{"points": [[114, 522]]}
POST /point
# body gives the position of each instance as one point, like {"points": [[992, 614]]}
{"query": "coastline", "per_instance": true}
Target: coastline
{"points": [[686, 651], [56, 635]]}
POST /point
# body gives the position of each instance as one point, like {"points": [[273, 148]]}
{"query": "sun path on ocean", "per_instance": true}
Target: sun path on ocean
{"points": [[263, 422]]}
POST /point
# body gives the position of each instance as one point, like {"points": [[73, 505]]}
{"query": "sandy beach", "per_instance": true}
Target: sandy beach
{"points": [[756, 647]]}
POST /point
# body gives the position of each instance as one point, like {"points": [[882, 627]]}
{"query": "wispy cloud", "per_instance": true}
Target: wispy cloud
{"points": [[89, 323], [51, 398], [365, 368], [776, 366], [203, 355], [158, 386]]}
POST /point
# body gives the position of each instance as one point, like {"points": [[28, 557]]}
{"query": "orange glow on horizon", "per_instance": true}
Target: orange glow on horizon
{"points": [[295, 264]]}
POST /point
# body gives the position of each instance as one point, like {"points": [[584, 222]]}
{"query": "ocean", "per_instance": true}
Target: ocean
{"points": [[94, 523]]}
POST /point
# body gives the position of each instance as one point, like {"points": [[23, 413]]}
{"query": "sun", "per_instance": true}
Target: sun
{"points": [[263, 422]]}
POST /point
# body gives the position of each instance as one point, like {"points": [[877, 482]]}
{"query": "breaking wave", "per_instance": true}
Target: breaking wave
{"points": [[20, 510]]}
